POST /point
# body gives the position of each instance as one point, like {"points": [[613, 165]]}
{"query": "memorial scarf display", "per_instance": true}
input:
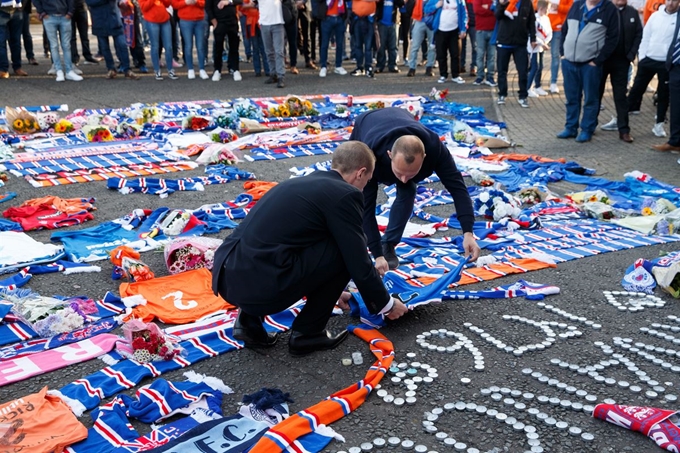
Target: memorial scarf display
{"points": [[660, 425]]}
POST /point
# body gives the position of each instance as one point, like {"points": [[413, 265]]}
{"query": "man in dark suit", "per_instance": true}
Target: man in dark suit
{"points": [[406, 153], [303, 239]]}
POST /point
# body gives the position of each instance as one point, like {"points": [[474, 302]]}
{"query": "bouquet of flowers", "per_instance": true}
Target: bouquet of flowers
{"points": [[375, 105], [148, 342], [496, 204], [148, 115], [21, 121], [656, 206], [439, 95], [185, 254], [246, 109], [49, 316], [97, 134], [129, 130], [293, 106], [47, 120], [224, 136], [63, 126], [196, 123], [530, 196], [228, 122], [126, 263]]}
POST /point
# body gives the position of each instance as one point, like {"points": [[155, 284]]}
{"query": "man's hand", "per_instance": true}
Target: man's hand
{"points": [[592, 63], [214, 22], [343, 302], [398, 310], [533, 44], [470, 247], [462, 35], [381, 265]]}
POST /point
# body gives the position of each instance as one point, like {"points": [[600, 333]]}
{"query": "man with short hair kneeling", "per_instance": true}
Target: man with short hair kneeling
{"points": [[304, 238]]}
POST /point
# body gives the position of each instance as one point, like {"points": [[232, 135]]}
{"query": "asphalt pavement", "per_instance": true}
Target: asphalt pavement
{"points": [[310, 380]]}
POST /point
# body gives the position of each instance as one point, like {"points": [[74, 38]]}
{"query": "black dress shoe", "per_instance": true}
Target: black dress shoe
{"points": [[249, 330], [302, 344], [390, 256]]}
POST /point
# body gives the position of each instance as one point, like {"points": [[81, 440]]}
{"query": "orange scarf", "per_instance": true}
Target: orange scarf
{"points": [[336, 406]]}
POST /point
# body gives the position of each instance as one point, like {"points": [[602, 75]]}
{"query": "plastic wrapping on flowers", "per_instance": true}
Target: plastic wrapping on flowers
{"points": [[148, 342], [185, 254]]}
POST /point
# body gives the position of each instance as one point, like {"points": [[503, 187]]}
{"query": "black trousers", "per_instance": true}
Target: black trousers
{"points": [[647, 69], [221, 31], [303, 37], [674, 89], [446, 43], [291, 29], [616, 68], [405, 33], [314, 31], [521, 57], [137, 52], [80, 22], [321, 277]]}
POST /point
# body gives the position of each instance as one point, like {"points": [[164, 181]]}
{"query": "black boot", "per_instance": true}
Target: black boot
{"points": [[390, 255], [249, 330], [302, 344]]}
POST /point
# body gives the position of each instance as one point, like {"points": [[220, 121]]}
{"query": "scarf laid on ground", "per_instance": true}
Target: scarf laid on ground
{"points": [[660, 425]]}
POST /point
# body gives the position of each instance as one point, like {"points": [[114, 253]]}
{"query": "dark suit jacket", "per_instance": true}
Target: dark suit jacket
{"points": [[261, 258], [379, 129]]}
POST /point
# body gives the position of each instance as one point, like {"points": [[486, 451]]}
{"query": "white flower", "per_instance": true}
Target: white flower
{"points": [[484, 197]]}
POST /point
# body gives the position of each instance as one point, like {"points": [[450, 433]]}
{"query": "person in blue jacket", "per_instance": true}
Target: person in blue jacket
{"points": [[449, 25]]}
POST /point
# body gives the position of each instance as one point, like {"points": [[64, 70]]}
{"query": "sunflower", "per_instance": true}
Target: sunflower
{"points": [[18, 124], [308, 105], [60, 128], [285, 113], [647, 211]]}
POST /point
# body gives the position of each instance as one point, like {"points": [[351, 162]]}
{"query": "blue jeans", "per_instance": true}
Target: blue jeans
{"points": [[363, 38], [535, 70], [247, 43], [555, 56], [62, 26], [388, 44], [121, 52], [420, 32], [160, 34], [581, 81], [258, 52], [485, 49], [335, 26], [193, 30], [10, 33]]}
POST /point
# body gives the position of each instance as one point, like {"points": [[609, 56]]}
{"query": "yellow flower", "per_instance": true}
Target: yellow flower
{"points": [[59, 128], [647, 211], [285, 114], [18, 124], [308, 105]]}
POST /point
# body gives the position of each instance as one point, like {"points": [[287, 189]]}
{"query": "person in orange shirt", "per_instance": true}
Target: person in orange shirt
{"points": [[363, 29], [192, 26], [651, 7], [557, 12], [252, 31], [157, 22]]}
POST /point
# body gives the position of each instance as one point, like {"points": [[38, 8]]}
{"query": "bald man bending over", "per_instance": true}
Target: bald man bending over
{"points": [[406, 152]]}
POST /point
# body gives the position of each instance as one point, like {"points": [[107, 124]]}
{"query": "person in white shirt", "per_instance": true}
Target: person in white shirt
{"points": [[543, 38], [450, 25], [657, 37], [274, 37]]}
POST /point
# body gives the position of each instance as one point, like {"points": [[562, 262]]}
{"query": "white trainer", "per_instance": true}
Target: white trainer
{"points": [[217, 76], [441, 79], [658, 130], [610, 126], [52, 71], [532, 93], [203, 74], [340, 70], [540, 91], [323, 72], [554, 89], [73, 76], [458, 80], [237, 76], [77, 70], [60, 76], [191, 74]]}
